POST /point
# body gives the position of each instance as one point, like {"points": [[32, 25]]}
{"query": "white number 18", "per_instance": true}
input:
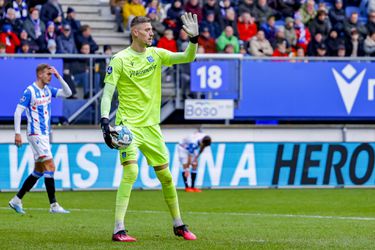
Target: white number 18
{"points": [[210, 77]]}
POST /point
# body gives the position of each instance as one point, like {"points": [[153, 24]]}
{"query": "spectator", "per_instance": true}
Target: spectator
{"points": [[2, 49], [167, 41], [312, 49], [224, 6], [20, 7], [116, 9], [371, 22], [75, 24], [24, 37], [371, 6], [206, 41], [85, 37], [321, 50], [157, 27], [225, 38], [290, 32], [341, 51], [302, 33], [65, 41], [173, 21], [10, 18], [269, 29], [35, 3], [247, 6], [280, 50], [369, 45], [134, 8], [246, 27], [260, 46], [354, 23], [243, 49], [263, 11], [285, 8], [182, 41], [24, 48], [80, 70], [212, 24], [337, 16], [320, 24], [229, 49], [35, 29], [280, 37], [308, 12], [50, 32], [3, 10], [51, 47], [230, 20], [10, 39], [355, 45], [333, 43], [193, 7], [52, 11], [160, 12], [200, 50], [213, 6], [300, 52]]}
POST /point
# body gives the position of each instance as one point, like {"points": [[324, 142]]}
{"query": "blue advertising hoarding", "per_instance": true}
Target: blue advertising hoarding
{"points": [[311, 90], [223, 165], [16, 75], [219, 77]]}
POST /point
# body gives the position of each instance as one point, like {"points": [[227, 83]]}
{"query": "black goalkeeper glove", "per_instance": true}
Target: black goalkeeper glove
{"points": [[104, 124]]}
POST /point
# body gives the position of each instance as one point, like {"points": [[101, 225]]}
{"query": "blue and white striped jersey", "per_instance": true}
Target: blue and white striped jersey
{"points": [[37, 102], [192, 142]]}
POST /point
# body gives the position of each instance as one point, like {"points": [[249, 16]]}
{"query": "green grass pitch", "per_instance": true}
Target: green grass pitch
{"points": [[221, 219]]}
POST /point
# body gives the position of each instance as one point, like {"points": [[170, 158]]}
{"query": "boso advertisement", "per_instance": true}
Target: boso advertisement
{"points": [[223, 165]]}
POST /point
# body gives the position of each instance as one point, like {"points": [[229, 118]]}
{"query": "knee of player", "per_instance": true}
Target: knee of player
{"points": [[130, 173], [165, 178]]}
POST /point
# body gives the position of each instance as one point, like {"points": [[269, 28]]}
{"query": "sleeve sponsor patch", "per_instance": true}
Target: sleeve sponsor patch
{"points": [[109, 70]]}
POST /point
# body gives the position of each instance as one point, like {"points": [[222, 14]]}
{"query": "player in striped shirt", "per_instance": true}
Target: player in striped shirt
{"points": [[189, 149], [36, 100]]}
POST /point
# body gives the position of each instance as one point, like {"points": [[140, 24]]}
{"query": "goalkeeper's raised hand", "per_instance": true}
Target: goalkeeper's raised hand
{"points": [[190, 25], [106, 129]]}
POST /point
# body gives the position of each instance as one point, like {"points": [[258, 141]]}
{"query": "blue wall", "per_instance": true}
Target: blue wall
{"points": [[223, 165]]}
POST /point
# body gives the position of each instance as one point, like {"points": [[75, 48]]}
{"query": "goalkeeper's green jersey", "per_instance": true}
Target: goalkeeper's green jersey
{"points": [[137, 77]]}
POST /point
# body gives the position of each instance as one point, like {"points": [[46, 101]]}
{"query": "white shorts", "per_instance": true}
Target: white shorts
{"points": [[183, 155], [40, 146]]}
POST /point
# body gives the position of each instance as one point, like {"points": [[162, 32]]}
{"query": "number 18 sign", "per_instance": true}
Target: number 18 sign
{"points": [[213, 76]]}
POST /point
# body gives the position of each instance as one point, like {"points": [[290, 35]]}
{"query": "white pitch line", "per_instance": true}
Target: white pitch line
{"points": [[217, 213]]}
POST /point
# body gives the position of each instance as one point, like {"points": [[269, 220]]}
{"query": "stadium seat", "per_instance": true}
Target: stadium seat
{"points": [[350, 9]]}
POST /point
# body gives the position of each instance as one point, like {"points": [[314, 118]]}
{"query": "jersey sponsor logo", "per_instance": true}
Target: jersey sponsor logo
{"points": [[142, 71], [150, 59], [109, 70], [42, 101]]}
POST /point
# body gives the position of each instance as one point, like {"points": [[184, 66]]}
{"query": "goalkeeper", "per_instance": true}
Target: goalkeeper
{"points": [[136, 73]]}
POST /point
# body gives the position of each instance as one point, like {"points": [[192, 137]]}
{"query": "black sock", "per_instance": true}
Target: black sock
{"points": [[50, 186], [185, 179], [27, 185], [193, 176]]}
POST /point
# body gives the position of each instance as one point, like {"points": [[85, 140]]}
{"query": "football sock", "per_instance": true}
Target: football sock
{"points": [[123, 194], [193, 177], [170, 194], [185, 179], [49, 181], [29, 183]]}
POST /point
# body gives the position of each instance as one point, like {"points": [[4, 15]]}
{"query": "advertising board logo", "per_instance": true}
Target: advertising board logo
{"points": [[349, 84]]}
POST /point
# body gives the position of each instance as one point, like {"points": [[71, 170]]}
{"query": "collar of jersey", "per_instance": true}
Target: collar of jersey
{"points": [[38, 86], [131, 50]]}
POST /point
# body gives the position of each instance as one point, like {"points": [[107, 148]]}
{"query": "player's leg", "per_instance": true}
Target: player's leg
{"points": [[49, 182], [194, 166], [128, 159], [28, 184], [30, 181], [157, 155]]}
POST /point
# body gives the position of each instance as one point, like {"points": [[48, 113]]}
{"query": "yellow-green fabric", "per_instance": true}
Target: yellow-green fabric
{"points": [[151, 143]]}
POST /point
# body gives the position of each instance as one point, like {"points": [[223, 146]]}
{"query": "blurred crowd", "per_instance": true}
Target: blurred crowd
{"points": [[260, 27]]}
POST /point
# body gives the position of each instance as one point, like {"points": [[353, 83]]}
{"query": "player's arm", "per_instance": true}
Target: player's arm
{"points": [[65, 91], [24, 102], [113, 75]]}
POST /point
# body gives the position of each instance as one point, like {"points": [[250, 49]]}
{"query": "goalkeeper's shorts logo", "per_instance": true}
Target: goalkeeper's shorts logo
{"points": [[109, 70]]}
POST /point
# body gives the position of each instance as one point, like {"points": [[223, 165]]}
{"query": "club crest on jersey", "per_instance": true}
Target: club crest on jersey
{"points": [[23, 98], [109, 70], [150, 59]]}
